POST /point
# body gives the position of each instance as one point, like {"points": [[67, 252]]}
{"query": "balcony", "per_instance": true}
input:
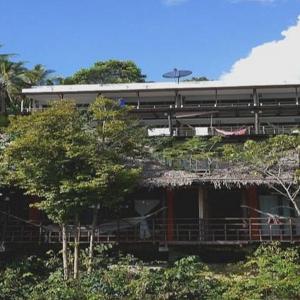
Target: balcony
{"points": [[212, 131], [226, 231]]}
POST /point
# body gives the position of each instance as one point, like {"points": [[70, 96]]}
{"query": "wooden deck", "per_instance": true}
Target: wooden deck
{"points": [[229, 231]]}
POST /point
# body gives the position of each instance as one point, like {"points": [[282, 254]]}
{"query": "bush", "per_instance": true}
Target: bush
{"points": [[18, 280], [271, 273]]}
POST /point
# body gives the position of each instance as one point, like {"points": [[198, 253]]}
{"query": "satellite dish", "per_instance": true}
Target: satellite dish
{"points": [[177, 74]]}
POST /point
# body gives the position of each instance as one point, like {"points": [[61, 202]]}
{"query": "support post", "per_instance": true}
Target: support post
{"points": [[22, 106], [170, 124], [170, 215], [176, 99], [256, 112], [297, 96], [252, 201], [139, 100], [200, 202], [200, 212], [216, 97]]}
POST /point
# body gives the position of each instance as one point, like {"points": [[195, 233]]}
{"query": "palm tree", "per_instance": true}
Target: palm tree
{"points": [[39, 75], [11, 83], [5, 56]]}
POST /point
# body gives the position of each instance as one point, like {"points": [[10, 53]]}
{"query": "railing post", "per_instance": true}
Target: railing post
{"points": [[225, 231], [250, 229]]}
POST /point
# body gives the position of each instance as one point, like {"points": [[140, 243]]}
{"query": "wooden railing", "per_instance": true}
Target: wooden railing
{"points": [[180, 232], [250, 130], [228, 230]]}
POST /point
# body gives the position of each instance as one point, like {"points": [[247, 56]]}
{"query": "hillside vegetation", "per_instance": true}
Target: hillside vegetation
{"points": [[271, 272]]}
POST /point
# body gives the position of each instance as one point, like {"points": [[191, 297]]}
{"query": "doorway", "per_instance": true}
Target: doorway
{"points": [[186, 204], [224, 204]]}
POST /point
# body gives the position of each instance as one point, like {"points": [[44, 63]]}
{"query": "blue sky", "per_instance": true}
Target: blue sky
{"points": [[206, 36]]}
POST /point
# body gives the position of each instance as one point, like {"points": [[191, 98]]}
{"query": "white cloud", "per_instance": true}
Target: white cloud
{"points": [[275, 61], [173, 2]]}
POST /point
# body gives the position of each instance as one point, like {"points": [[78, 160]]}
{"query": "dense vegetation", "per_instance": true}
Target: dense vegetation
{"points": [[262, 276], [73, 161]]}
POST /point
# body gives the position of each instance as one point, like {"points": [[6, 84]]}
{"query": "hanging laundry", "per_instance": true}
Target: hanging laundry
{"points": [[242, 131]]}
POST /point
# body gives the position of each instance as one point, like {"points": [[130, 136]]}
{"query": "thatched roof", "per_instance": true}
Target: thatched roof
{"points": [[156, 174]]}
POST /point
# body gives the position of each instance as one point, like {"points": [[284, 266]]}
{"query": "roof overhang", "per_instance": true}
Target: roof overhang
{"points": [[87, 92]]}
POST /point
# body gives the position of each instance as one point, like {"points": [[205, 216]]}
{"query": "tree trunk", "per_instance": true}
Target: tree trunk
{"points": [[65, 251], [92, 238], [76, 246]]}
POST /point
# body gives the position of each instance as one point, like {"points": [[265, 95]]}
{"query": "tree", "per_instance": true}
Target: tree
{"points": [[111, 71], [119, 138], [59, 156], [198, 78], [14, 76], [11, 83], [39, 75], [275, 159], [50, 157]]}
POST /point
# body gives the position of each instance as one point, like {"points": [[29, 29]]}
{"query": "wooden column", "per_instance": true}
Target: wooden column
{"points": [[252, 201], [216, 97], [200, 202], [170, 215], [256, 112], [170, 124], [139, 100]]}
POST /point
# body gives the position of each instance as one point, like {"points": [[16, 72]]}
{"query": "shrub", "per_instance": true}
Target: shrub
{"points": [[271, 273], [18, 279]]}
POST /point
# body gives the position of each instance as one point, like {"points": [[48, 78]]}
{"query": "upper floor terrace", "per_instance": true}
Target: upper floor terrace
{"points": [[192, 108]]}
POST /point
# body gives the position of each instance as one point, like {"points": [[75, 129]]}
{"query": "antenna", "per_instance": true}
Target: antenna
{"points": [[177, 74]]}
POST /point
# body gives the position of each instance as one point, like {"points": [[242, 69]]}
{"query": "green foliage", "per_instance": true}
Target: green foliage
{"points": [[102, 257], [52, 157], [196, 148], [18, 280], [186, 280], [11, 83], [122, 278], [271, 273], [69, 162], [269, 158], [39, 75], [111, 71], [117, 132], [14, 76], [265, 153], [3, 121]]}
